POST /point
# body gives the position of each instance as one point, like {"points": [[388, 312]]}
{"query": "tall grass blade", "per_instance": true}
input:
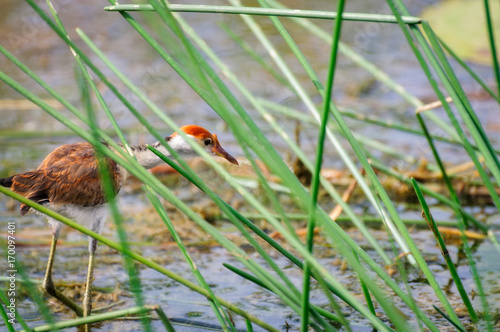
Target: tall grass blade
{"points": [[491, 39], [445, 252], [311, 224], [93, 319], [164, 319], [459, 328], [266, 12], [461, 226], [469, 70]]}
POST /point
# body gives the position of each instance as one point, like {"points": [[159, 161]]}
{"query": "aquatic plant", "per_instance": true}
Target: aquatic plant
{"points": [[199, 66]]}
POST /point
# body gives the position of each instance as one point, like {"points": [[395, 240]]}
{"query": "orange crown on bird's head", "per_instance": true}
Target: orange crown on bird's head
{"points": [[206, 139]]}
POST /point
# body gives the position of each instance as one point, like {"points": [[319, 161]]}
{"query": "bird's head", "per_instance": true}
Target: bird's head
{"points": [[203, 137]]}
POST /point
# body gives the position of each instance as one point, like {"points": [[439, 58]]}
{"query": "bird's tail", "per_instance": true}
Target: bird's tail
{"points": [[28, 185], [7, 182]]}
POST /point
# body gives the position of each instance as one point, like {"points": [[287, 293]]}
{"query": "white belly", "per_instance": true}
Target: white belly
{"points": [[92, 217]]}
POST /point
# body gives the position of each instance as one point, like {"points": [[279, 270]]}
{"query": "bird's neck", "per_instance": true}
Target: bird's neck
{"points": [[147, 158]]}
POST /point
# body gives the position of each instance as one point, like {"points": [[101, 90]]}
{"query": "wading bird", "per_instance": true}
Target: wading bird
{"points": [[67, 181]]}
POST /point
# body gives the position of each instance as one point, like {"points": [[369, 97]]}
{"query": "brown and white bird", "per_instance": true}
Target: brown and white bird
{"points": [[67, 181]]}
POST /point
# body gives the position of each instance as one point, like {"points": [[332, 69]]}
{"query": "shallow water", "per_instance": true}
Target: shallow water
{"points": [[32, 41]]}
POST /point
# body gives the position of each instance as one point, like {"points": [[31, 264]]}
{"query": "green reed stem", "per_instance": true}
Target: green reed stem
{"points": [[445, 316], [461, 226], [368, 298], [268, 12], [93, 319], [164, 319], [491, 39], [452, 85], [249, 326], [445, 252], [311, 224], [469, 70]]}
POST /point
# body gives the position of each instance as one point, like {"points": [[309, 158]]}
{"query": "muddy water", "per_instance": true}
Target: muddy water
{"points": [[25, 35]]}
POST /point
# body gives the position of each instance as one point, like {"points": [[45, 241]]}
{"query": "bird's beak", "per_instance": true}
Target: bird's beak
{"points": [[219, 151]]}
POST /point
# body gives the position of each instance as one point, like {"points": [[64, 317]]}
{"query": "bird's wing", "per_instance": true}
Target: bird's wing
{"points": [[73, 172], [68, 175]]}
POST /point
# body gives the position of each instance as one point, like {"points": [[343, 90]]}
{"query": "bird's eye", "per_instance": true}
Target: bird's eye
{"points": [[207, 142]]}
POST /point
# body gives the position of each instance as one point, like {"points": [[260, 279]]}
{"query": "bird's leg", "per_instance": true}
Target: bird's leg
{"points": [[87, 299], [48, 284], [97, 226]]}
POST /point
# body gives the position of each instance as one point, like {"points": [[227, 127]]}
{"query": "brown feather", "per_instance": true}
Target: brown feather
{"points": [[68, 175]]}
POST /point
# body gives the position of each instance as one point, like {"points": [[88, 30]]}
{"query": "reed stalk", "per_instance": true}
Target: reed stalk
{"points": [[266, 12], [311, 224]]}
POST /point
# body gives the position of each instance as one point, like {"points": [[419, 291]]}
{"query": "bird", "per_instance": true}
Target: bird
{"points": [[67, 181]]}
